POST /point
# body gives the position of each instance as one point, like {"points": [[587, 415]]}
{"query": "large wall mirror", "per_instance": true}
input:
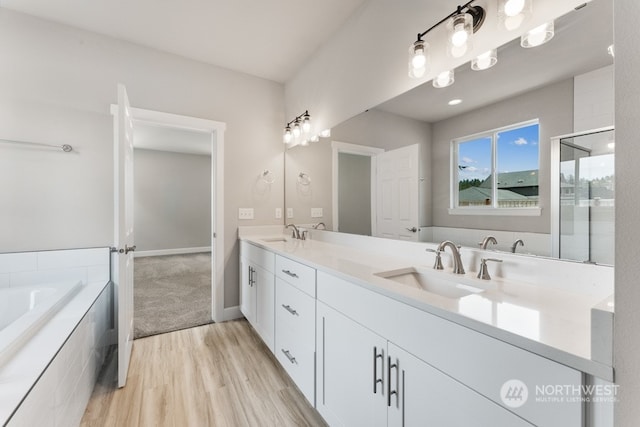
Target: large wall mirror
{"points": [[521, 151]]}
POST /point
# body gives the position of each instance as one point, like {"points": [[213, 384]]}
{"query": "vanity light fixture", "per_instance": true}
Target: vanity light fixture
{"points": [[301, 123], [461, 24], [538, 36], [512, 13], [485, 61], [444, 79]]}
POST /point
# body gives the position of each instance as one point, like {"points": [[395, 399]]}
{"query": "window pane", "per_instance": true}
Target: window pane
{"points": [[474, 172], [517, 166]]}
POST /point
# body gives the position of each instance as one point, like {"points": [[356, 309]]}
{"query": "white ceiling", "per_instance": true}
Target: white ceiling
{"points": [[163, 138], [580, 45], [265, 38]]}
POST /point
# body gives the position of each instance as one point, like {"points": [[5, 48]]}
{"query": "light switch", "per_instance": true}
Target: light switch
{"points": [[245, 213], [289, 213], [278, 213], [316, 213]]}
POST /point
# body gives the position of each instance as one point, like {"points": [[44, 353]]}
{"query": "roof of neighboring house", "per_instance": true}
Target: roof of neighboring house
{"points": [[479, 194], [514, 179]]}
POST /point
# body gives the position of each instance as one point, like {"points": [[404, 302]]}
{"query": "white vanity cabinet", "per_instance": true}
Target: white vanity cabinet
{"points": [[460, 364], [295, 311], [257, 290], [362, 379]]}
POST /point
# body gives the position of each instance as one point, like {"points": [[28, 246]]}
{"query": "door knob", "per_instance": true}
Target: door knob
{"points": [[412, 229]]}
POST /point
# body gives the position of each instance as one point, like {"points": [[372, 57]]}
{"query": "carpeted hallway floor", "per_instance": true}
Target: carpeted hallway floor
{"points": [[171, 292]]}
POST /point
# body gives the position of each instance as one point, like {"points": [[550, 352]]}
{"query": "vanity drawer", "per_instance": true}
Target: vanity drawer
{"points": [[258, 256], [298, 360], [295, 311], [299, 275]]}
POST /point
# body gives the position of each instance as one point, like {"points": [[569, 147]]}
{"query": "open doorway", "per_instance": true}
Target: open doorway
{"points": [[172, 221]]}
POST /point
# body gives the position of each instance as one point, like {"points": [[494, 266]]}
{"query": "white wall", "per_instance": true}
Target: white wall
{"points": [[365, 63], [172, 200], [57, 84], [627, 298], [593, 106], [552, 105]]}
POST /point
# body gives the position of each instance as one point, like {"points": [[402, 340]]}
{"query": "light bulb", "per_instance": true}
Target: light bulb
{"points": [[296, 129], [513, 22], [419, 60], [287, 135], [444, 79], [325, 133], [513, 7], [538, 36], [315, 138], [485, 60], [459, 36]]}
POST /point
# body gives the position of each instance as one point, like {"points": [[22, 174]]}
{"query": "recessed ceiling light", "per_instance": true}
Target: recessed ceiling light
{"points": [[455, 101]]}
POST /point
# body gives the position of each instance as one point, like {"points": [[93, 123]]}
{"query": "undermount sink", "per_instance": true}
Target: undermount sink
{"points": [[274, 239], [429, 281]]}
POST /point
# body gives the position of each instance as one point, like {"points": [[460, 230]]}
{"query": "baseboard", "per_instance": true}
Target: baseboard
{"points": [[178, 251], [232, 313]]}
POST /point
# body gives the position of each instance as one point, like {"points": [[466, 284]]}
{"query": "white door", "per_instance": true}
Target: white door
{"points": [[122, 265], [397, 198], [350, 363], [423, 396]]}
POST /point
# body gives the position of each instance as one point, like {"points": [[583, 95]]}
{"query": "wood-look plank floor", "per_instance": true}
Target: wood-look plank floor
{"points": [[213, 375]]}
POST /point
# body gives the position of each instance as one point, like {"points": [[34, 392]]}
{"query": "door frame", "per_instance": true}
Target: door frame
{"points": [[338, 147], [216, 130]]}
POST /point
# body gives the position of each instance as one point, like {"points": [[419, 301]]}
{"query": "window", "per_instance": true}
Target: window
{"points": [[497, 171]]}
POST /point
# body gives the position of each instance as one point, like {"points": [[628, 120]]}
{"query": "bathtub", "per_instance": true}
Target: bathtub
{"points": [[25, 309]]}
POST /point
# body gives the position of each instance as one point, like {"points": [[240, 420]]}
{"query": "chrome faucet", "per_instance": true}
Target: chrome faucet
{"points": [[485, 242], [296, 233], [515, 245], [458, 268], [317, 226], [483, 273]]}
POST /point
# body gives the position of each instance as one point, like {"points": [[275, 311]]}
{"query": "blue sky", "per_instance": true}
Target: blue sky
{"points": [[517, 151]]}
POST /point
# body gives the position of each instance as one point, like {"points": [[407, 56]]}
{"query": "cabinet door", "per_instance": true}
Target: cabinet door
{"points": [[247, 291], [265, 301], [348, 391], [423, 396]]}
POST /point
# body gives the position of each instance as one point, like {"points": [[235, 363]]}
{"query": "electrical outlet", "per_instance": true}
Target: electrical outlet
{"points": [[316, 213], [245, 213], [289, 213], [278, 213]]}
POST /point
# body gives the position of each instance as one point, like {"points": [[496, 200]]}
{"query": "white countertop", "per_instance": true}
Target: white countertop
{"points": [[551, 323]]}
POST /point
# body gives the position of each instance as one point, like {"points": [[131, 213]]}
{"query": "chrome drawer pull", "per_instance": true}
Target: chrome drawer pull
{"points": [[290, 274], [290, 310], [289, 356]]}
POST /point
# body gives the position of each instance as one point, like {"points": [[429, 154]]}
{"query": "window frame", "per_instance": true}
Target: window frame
{"points": [[493, 209]]}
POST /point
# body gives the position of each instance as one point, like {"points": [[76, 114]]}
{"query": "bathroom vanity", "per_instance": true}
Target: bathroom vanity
{"points": [[367, 346]]}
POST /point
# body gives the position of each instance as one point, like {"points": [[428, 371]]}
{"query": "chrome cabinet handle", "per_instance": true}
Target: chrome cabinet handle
{"points": [[412, 229], [290, 274], [289, 356], [252, 280], [389, 391], [290, 310], [377, 380]]}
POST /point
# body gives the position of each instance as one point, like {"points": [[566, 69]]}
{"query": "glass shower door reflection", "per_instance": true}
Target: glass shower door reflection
{"points": [[587, 197]]}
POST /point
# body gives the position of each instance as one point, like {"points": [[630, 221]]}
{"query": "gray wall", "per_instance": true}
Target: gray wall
{"points": [[354, 194], [552, 105], [627, 298], [373, 128], [57, 84], [172, 200]]}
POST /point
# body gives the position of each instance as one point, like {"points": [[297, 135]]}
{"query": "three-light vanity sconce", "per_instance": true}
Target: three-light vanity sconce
{"points": [[300, 126], [461, 25]]}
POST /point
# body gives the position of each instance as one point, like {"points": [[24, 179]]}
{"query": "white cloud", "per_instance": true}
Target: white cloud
{"points": [[520, 141], [471, 169], [468, 160]]}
